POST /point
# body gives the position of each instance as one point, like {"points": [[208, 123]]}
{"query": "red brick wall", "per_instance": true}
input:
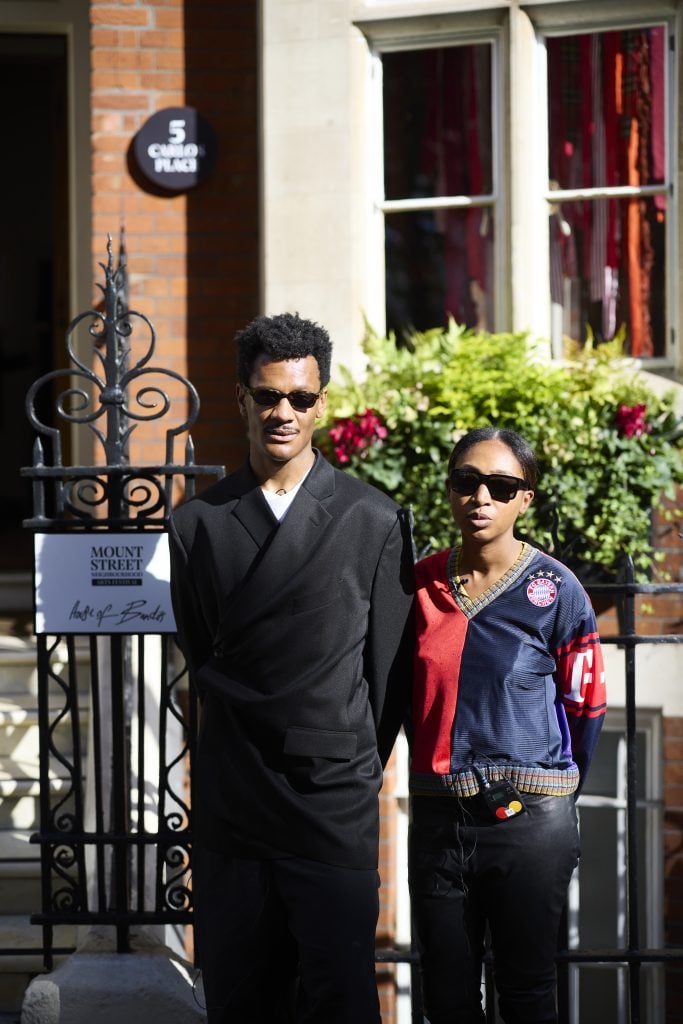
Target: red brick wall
{"points": [[193, 258]]}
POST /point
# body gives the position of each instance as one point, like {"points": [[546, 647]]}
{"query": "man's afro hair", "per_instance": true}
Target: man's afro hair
{"points": [[285, 336]]}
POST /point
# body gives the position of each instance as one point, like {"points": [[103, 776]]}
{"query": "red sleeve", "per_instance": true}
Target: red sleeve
{"points": [[580, 676]]}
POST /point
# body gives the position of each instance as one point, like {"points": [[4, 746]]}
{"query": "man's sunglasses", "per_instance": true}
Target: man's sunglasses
{"points": [[500, 487], [270, 397]]}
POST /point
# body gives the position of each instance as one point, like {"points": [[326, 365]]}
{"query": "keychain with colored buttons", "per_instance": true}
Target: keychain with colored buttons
{"points": [[514, 807]]}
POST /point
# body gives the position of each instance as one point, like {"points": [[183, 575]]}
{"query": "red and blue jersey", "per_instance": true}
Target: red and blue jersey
{"points": [[511, 682]]}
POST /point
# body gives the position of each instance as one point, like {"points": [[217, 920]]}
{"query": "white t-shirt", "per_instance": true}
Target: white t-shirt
{"points": [[279, 503]]}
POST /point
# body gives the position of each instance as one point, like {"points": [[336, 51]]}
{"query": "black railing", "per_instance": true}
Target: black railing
{"points": [[624, 592], [112, 854]]}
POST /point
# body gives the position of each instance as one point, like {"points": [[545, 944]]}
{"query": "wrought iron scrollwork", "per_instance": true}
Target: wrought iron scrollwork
{"points": [[111, 398], [118, 392], [177, 895], [95, 840]]}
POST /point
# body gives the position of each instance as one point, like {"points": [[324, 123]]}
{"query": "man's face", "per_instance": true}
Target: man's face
{"points": [[281, 433]]}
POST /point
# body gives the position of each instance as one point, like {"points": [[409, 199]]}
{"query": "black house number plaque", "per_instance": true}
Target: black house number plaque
{"points": [[175, 149]]}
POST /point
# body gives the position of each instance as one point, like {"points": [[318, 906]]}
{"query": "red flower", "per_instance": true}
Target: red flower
{"points": [[630, 420], [354, 434]]}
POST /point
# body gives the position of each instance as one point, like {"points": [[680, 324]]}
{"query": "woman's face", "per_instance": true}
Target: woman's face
{"points": [[480, 516]]}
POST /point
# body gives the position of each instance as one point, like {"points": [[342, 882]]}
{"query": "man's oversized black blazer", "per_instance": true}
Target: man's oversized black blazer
{"points": [[298, 638]]}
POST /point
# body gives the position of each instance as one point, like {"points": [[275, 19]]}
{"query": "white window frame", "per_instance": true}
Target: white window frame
{"points": [[570, 18], [454, 30], [649, 724]]}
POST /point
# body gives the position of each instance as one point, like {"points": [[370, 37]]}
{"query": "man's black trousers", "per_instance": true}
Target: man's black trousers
{"points": [[285, 940]]}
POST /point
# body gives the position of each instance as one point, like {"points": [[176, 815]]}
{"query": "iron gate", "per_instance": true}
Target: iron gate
{"points": [[115, 847]]}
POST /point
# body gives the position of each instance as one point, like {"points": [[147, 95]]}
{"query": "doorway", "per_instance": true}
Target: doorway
{"points": [[34, 263]]}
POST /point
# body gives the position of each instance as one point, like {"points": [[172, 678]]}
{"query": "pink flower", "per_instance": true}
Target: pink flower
{"points": [[353, 435], [630, 420]]}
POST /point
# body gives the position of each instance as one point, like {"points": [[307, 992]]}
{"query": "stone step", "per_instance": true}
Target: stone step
{"points": [[16, 599], [17, 969], [19, 803], [19, 728], [18, 663], [20, 883], [18, 671], [17, 847], [20, 872], [17, 932], [20, 891]]}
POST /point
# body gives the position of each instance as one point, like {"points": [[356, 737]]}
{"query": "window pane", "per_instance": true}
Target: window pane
{"points": [[607, 271], [606, 108], [607, 128], [437, 142], [599, 994], [598, 879], [437, 122], [439, 263], [602, 878], [602, 778]]}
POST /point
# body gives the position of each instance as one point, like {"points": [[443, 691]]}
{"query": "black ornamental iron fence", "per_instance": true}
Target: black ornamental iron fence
{"points": [[115, 834], [634, 954]]}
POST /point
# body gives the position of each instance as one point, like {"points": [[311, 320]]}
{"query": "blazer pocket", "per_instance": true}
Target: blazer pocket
{"points": [[303, 742]]}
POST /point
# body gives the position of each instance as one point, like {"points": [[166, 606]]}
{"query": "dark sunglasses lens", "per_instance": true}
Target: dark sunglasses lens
{"points": [[302, 400], [266, 397], [502, 489], [464, 483], [270, 397]]}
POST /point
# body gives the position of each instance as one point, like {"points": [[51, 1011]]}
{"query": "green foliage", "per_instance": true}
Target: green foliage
{"points": [[603, 471]]}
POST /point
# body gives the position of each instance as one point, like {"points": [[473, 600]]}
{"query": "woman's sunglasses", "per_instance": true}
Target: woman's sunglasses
{"points": [[500, 487], [270, 397]]}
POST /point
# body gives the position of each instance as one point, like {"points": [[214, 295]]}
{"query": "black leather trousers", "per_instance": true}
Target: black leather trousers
{"points": [[469, 872]]}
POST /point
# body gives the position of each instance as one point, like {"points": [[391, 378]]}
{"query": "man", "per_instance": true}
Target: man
{"points": [[292, 590]]}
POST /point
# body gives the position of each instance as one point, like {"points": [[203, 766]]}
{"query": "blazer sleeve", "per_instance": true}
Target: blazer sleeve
{"points": [[390, 639], [193, 636]]}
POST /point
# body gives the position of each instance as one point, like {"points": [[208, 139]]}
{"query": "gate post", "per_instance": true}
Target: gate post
{"points": [[115, 836]]}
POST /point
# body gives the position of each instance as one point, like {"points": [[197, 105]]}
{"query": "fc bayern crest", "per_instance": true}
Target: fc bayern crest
{"points": [[541, 592]]}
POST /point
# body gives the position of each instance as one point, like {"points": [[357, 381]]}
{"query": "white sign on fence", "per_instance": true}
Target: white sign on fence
{"points": [[102, 583]]}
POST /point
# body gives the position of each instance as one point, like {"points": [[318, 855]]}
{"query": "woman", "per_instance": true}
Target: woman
{"points": [[508, 703]]}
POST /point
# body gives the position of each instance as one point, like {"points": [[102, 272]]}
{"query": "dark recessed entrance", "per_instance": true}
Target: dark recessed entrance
{"points": [[34, 260]]}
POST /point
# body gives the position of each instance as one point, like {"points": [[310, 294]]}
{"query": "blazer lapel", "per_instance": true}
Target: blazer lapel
{"points": [[253, 513], [285, 548], [252, 509], [303, 526]]}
